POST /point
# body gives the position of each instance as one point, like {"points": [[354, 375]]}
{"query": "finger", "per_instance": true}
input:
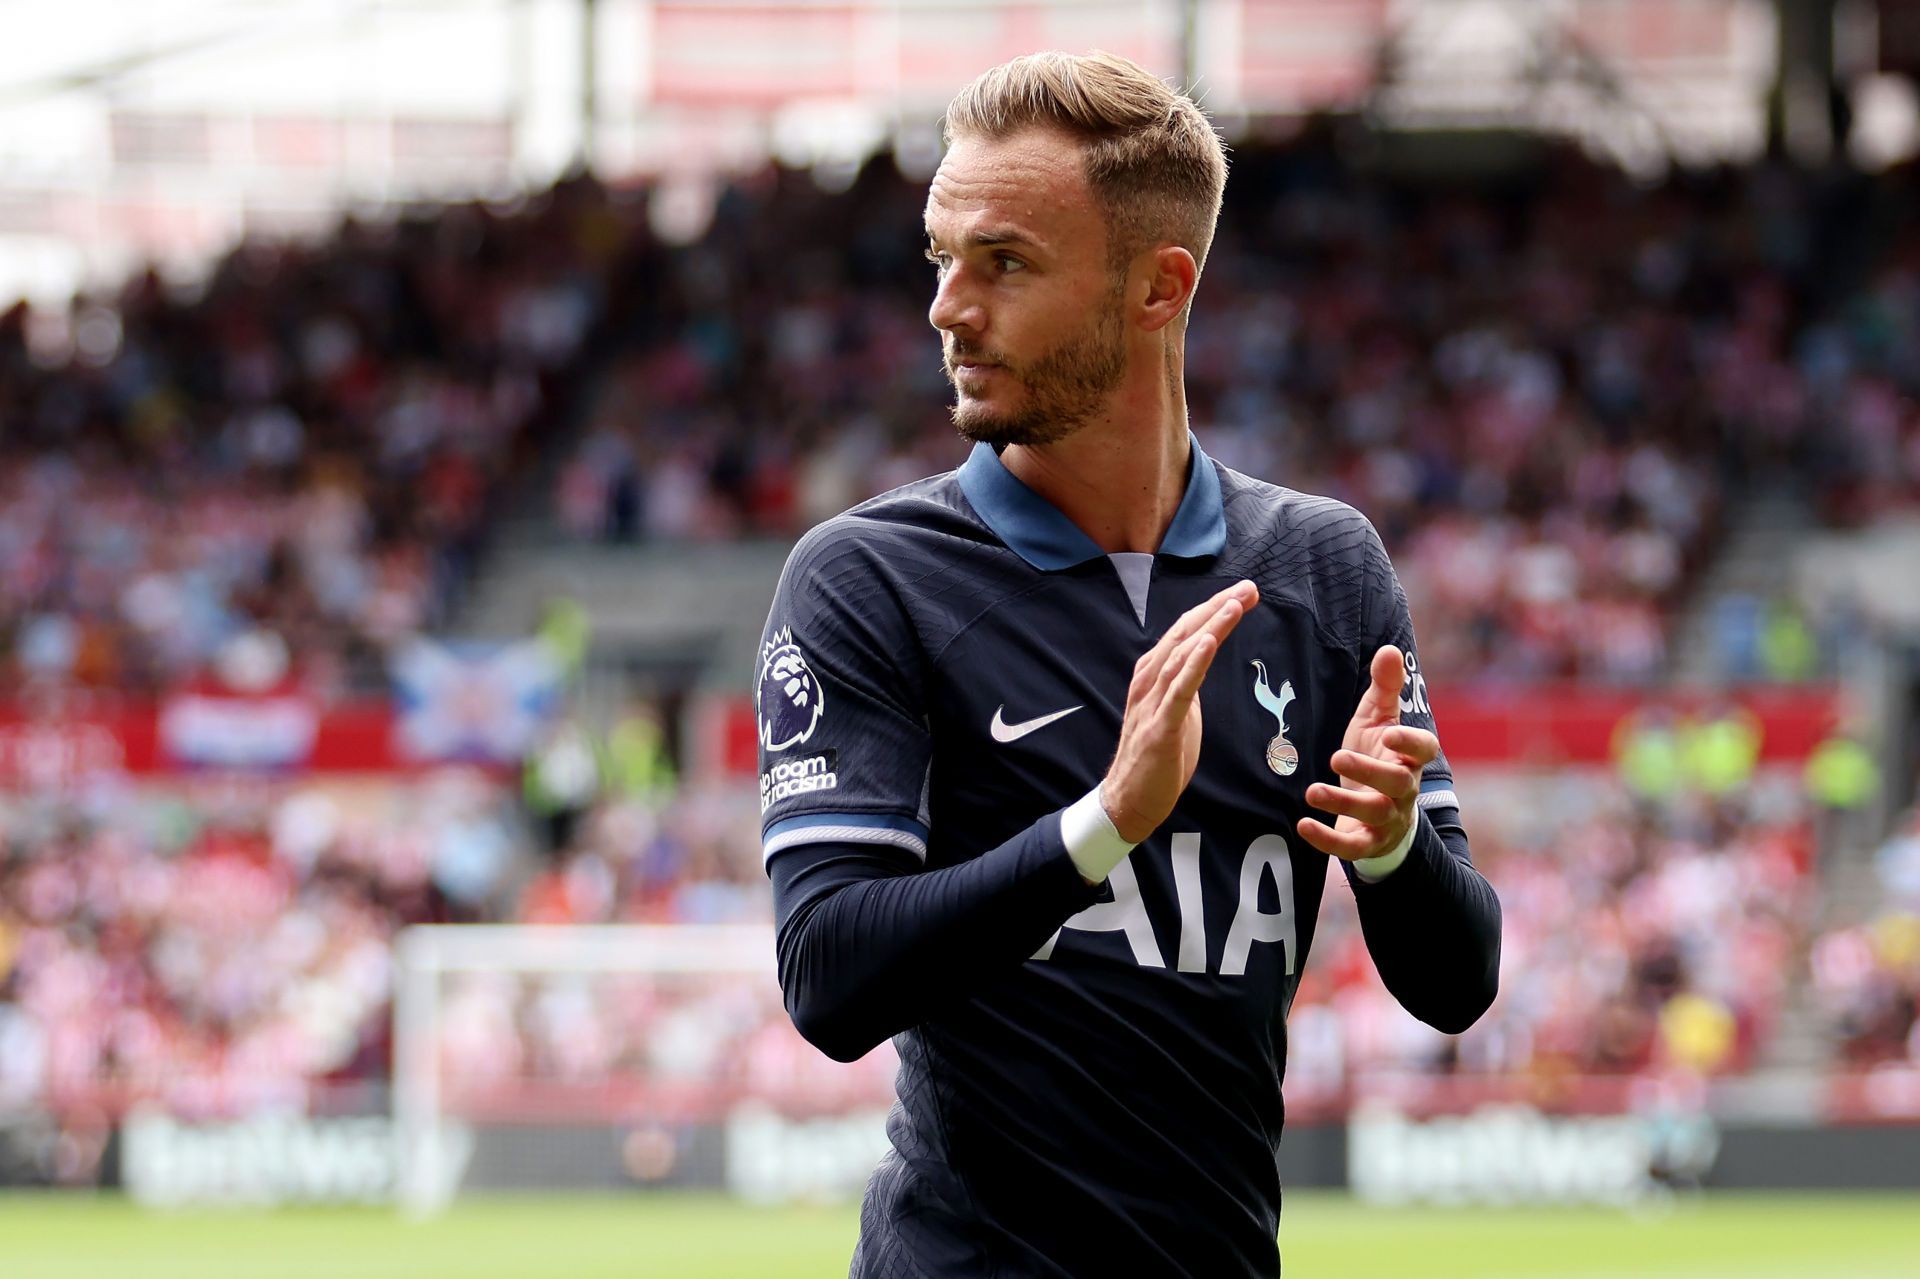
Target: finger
{"points": [[1216, 629], [1170, 669], [1381, 705], [1347, 845], [1369, 806], [1186, 683], [1418, 745], [1390, 777], [1244, 593], [1149, 671], [1146, 672]]}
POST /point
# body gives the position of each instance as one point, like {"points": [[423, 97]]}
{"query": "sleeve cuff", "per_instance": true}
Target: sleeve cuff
{"points": [[844, 828], [1091, 840], [1372, 870]]}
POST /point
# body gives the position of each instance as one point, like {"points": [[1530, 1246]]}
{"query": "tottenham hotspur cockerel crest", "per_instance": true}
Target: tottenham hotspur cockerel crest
{"points": [[787, 701], [1282, 755]]}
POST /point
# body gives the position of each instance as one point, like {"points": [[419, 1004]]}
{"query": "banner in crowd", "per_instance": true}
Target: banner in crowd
{"points": [[481, 703], [475, 704], [41, 752], [1518, 726], [490, 704], [217, 728]]}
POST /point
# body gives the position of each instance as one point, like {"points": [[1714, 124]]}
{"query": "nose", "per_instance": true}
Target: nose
{"points": [[956, 306]]}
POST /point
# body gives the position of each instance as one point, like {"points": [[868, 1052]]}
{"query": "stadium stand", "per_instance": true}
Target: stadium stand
{"points": [[1546, 413], [1638, 938], [310, 444], [1868, 973], [218, 953], [219, 948]]}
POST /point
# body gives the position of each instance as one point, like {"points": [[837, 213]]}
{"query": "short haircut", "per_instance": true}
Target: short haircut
{"points": [[1156, 167]]}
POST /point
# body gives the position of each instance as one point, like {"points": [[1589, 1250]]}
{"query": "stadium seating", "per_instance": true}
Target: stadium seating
{"points": [[1868, 973], [1546, 414], [1637, 938], [219, 951], [310, 444]]}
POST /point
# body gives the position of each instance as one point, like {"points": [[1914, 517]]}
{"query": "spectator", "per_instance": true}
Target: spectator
{"points": [[1869, 973], [309, 445]]}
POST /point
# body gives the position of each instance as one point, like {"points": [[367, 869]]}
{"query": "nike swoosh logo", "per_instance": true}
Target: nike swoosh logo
{"points": [[1005, 732]]}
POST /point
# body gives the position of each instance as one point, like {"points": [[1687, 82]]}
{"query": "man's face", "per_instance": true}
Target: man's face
{"points": [[1028, 305]]}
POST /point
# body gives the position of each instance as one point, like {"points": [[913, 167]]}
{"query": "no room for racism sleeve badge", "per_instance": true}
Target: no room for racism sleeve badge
{"points": [[787, 700]]}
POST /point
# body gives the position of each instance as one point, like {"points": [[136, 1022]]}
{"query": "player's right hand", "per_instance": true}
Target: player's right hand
{"points": [[1160, 733]]}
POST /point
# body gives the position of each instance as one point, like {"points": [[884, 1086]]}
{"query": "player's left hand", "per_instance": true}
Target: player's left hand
{"points": [[1378, 763]]}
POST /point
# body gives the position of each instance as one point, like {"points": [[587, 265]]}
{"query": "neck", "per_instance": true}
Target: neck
{"points": [[1120, 478]]}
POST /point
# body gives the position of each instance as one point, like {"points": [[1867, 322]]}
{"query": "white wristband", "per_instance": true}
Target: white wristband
{"points": [[1091, 839], [1374, 869]]}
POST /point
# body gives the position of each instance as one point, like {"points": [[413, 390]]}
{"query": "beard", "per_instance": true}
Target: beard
{"points": [[1061, 391]]}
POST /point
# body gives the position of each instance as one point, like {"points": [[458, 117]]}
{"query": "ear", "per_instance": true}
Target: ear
{"points": [[1169, 273]]}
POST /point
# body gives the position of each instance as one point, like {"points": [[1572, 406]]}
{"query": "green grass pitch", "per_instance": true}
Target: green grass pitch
{"points": [[1728, 1237]]}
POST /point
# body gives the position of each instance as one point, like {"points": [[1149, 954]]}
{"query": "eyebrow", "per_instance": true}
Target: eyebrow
{"points": [[988, 237]]}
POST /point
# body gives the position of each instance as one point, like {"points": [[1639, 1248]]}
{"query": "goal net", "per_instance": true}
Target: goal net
{"points": [[584, 1058]]}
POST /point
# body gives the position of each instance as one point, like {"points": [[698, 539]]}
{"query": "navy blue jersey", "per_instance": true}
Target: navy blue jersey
{"points": [[944, 668]]}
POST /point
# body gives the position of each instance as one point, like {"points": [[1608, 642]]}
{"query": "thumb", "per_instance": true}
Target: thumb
{"points": [[1382, 702]]}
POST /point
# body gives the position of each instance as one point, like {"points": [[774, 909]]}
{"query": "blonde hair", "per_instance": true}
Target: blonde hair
{"points": [[1156, 167]]}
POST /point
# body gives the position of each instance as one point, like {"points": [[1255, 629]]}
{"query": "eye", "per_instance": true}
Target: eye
{"points": [[1008, 263], [940, 260]]}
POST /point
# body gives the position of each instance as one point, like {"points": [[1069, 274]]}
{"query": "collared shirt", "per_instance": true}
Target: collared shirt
{"points": [[946, 667]]}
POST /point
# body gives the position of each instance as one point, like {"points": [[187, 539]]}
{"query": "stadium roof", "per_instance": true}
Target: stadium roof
{"points": [[136, 130]]}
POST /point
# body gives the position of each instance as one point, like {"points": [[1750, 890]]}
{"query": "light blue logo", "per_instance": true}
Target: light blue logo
{"points": [[1282, 757]]}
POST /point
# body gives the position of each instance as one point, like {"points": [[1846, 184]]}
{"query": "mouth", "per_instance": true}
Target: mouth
{"points": [[970, 377]]}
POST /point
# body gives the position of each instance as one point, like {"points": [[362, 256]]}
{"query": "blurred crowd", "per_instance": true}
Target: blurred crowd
{"points": [[306, 445], [667, 1048], [225, 946], [1544, 391], [1638, 936], [1868, 974]]}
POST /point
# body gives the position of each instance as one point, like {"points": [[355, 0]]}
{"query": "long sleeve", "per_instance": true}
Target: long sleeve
{"points": [[870, 945], [1433, 927]]}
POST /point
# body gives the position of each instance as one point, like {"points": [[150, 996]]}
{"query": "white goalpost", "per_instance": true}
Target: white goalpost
{"points": [[570, 1057]]}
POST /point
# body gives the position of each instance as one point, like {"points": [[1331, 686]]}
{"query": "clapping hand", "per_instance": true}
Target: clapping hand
{"points": [[1378, 763]]}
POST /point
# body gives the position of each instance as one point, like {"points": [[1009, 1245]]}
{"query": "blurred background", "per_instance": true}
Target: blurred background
{"points": [[405, 409]]}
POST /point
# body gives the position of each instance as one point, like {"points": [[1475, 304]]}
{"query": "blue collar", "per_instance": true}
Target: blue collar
{"points": [[1049, 541]]}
